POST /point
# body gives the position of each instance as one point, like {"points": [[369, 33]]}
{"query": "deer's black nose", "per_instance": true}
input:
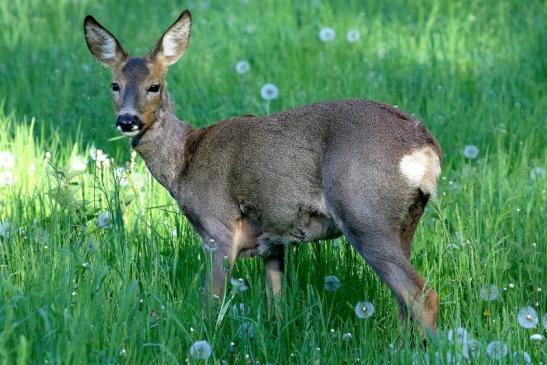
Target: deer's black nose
{"points": [[128, 122]]}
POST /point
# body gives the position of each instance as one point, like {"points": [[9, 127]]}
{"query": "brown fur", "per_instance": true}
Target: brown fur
{"points": [[253, 184]]}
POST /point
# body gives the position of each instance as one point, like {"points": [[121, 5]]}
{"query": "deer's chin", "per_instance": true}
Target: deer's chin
{"points": [[131, 133]]}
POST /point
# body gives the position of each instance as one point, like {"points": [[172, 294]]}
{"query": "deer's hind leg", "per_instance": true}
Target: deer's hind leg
{"points": [[384, 253], [408, 228], [374, 228]]}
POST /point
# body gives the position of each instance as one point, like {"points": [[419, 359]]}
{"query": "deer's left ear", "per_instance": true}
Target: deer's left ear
{"points": [[102, 44], [174, 41]]}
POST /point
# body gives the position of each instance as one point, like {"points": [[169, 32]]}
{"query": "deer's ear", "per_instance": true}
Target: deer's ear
{"points": [[174, 41], [102, 44]]}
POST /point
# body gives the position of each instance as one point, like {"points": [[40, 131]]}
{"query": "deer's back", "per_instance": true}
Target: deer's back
{"points": [[273, 167]]}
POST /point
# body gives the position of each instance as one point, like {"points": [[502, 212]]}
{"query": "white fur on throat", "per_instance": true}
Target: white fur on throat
{"points": [[422, 169]]}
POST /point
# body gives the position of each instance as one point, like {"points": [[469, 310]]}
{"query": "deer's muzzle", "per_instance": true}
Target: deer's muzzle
{"points": [[129, 124]]}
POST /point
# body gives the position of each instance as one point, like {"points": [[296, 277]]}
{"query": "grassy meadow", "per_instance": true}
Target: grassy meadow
{"points": [[98, 266]]}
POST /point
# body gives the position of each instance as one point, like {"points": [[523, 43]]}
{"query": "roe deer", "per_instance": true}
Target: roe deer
{"points": [[250, 185]]}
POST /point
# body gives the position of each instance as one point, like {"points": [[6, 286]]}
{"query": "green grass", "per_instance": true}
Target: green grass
{"points": [[73, 292]]}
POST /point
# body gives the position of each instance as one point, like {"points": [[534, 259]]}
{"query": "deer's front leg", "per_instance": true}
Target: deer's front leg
{"points": [[222, 243], [220, 260]]}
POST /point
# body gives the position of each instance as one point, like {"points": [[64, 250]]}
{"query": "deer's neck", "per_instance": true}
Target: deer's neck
{"points": [[162, 147]]}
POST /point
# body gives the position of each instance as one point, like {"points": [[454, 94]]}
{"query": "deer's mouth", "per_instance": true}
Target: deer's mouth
{"points": [[135, 129], [129, 125]]}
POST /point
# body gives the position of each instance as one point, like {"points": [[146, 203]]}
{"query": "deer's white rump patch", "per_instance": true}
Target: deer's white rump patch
{"points": [[422, 169]]}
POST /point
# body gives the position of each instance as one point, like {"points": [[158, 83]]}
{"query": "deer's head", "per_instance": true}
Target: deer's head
{"points": [[138, 83]]}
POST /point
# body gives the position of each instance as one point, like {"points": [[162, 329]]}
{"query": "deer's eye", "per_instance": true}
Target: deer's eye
{"points": [[115, 86], [154, 88]]}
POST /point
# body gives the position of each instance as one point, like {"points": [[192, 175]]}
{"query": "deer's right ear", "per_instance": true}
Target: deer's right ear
{"points": [[102, 44]]}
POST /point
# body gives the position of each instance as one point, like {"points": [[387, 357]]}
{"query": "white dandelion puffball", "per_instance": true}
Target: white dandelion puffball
{"points": [[104, 220], [497, 350], [7, 178], [78, 163], [242, 67], [269, 92], [7, 160], [332, 283], [528, 317], [239, 284], [489, 292], [200, 350], [458, 335], [364, 310], [382, 51], [545, 321], [352, 36], [210, 246], [471, 349], [471, 151], [537, 337], [93, 152], [537, 173], [521, 357], [4, 230], [327, 34], [347, 336]]}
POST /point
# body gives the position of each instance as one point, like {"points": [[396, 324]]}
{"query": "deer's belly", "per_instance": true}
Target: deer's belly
{"points": [[267, 241]]}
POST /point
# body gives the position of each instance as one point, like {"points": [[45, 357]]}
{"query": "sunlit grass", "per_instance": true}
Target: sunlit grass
{"points": [[97, 264]]}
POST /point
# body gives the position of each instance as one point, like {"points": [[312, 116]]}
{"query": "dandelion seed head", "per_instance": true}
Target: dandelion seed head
{"points": [[364, 310], [78, 164], [5, 230], [497, 350], [382, 52], [537, 173], [352, 36], [527, 317], [537, 337], [347, 336], [104, 220], [239, 284], [332, 283], [7, 160], [471, 151], [545, 321], [458, 335], [521, 357], [200, 350], [242, 67], [471, 349], [327, 34], [210, 246], [489, 292], [269, 92]]}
